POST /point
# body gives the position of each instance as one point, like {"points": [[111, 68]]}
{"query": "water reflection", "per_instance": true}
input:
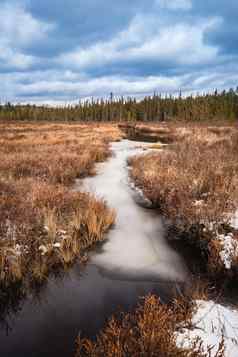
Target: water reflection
{"points": [[135, 261]]}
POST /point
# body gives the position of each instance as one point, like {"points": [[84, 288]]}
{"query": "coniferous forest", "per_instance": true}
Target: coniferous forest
{"points": [[212, 106]]}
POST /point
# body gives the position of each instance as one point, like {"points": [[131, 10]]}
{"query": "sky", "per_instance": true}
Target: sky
{"points": [[60, 51]]}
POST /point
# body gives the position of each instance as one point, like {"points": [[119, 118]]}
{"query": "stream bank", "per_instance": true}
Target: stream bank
{"points": [[134, 261]]}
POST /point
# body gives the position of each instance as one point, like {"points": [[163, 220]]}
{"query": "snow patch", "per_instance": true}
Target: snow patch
{"points": [[229, 249], [234, 220], [18, 250], [57, 245], [139, 196], [43, 249], [198, 203], [210, 322]]}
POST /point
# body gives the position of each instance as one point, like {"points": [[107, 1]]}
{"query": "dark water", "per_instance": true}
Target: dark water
{"points": [[47, 325], [135, 260]]}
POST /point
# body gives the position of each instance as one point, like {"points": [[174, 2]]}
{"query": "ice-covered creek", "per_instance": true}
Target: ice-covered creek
{"points": [[135, 260]]}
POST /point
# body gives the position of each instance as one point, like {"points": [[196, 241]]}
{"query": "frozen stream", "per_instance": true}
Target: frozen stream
{"points": [[134, 261], [136, 247]]}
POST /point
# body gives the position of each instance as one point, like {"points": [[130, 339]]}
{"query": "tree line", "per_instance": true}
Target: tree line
{"points": [[216, 105]]}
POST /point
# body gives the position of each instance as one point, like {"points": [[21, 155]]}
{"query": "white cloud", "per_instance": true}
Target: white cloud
{"points": [[12, 58], [18, 29], [70, 85], [102, 85], [59, 87], [147, 39]]}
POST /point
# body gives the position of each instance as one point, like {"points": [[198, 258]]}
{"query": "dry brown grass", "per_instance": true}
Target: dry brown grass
{"points": [[195, 184], [175, 131], [140, 132], [57, 154], [44, 225], [149, 331]]}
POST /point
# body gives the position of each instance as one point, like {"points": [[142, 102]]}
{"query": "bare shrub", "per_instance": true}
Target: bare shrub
{"points": [[149, 331]]}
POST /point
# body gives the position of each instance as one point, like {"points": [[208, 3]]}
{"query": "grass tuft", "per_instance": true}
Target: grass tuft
{"points": [[149, 331]]}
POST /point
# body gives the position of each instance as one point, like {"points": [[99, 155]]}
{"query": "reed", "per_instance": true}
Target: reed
{"points": [[194, 183], [148, 331], [44, 224]]}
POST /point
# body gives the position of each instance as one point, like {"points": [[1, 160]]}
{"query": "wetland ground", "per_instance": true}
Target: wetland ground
{"points": [[85, 237]]}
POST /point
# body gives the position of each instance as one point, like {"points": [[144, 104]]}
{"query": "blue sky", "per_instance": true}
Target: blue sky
{"points": [[56, 51]]}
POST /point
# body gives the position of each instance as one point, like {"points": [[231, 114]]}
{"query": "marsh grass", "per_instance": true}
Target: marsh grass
{"points": [[44, 224], [148, 331], [47, 231], [194, 183], [150, 133]]}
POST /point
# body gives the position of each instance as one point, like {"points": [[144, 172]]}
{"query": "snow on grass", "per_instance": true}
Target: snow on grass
{"points": [[234, 220], [229, 244], [43, 249], [57, 245], [229, 249], [211, 323]]}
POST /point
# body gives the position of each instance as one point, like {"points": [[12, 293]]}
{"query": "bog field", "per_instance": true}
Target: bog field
{"points": [[118, 239]]}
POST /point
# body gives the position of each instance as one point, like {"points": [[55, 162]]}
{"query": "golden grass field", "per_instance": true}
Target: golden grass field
{"points": [[194, 182], [44, 223]]}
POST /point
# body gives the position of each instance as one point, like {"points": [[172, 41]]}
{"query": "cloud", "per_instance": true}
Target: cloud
{"points": [[64, 86], [19, 30], [103, 85], [145, 40], [99, 46], [13, 59]]}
